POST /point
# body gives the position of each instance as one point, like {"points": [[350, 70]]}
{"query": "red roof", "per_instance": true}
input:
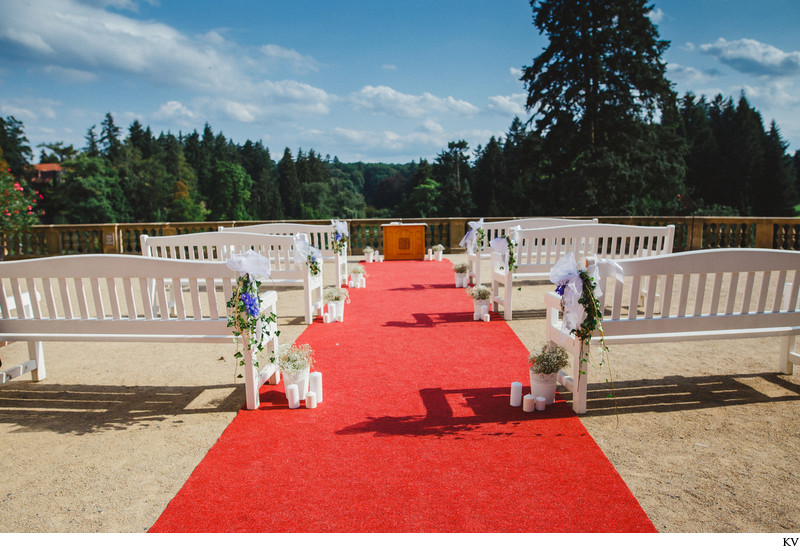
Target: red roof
{"points": [[48, 167]]}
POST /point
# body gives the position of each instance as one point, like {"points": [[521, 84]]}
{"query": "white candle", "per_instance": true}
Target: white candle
{"points": [[293, 396], [541, 402], [430, 254], [316, 385], [311, 400], [326, 318], [528, 403], [487, 317], [516, 394]]}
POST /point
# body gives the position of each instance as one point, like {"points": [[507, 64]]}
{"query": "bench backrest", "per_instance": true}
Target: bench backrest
{"points": [[540, 249], [493, 230], [220, 246], [701, 291], [111, 294], [319, 235]]}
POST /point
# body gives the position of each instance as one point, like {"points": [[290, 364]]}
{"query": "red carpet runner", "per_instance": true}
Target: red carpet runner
{"points": [[415, 433]]}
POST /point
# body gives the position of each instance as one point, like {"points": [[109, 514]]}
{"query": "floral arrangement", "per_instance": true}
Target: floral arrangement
{"points": [[368, 250], [359, 269], [480, 292], [246, 318], [474, 239], [308, 254], [438, 248], [512, 261], [580, 305], [506, 246], [550, 359], [244, 307], [460, 268], [295, 358], [335, 294], [340, 235]]}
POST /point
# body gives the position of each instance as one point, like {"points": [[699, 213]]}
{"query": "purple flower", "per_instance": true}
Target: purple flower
{"points": [[560, 289], [251, 304]]}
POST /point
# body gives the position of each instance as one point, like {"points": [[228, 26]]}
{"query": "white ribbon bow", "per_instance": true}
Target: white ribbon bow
{"points": [[565, 275], [470, 239], [250, 263], [302, 250], [341, 227]]}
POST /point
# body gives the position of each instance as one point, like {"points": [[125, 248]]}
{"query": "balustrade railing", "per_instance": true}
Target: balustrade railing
{"points": [[691, 233]]}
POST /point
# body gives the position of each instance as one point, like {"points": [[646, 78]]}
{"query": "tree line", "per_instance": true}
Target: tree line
{"points": [[607, 135]]}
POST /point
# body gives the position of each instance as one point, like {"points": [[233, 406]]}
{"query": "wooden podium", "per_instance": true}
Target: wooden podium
{"points": [[404, 241]]}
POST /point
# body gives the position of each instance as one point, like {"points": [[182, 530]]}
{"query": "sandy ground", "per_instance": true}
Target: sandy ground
{"points": [[706, 435]]}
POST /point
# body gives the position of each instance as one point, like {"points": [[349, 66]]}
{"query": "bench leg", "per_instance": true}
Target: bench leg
{"points": [[580, 376], [508, 311], [789, 355], [36, 353]]}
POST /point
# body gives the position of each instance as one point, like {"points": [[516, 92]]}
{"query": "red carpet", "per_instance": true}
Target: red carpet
{"points": [[415, 433]]}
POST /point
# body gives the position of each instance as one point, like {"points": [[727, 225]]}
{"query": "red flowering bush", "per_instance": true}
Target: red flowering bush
{"points": [[18, 204]]}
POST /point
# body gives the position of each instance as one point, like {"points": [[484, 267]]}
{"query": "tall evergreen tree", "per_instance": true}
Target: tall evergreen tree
{"points": [[289, 186], [109, 142], [15, 146]]}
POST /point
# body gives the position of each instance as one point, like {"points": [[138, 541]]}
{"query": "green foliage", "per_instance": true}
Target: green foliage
{"points": [[248, 321], [89, 192]]}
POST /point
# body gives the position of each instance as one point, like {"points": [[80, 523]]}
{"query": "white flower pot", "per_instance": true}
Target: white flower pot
{"points": [[544, 384], [368, 257], [299, 378], [478, 306], [438, 255], [461, 279]]}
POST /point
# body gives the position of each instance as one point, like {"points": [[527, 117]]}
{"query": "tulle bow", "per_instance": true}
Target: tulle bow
{"points": [[470, 240], [250, 263]]}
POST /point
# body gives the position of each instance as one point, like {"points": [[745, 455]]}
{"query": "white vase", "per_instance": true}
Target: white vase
{"points": [[460, 279], [477, 306], [544, 384], [438, 255], [299, 378], [368, 257]]}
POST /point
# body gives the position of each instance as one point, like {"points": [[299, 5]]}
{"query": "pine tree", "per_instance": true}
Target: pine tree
{"points": [[289, 186]]}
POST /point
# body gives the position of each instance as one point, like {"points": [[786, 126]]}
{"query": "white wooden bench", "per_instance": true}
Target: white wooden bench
{"points": [[493, 230], [319, 235], [107, 298], [220, 246], [537, 251], [699, 295]]}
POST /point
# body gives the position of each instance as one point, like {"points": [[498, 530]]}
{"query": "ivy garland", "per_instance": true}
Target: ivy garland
{"points": [[512, 261], [246, 318], [339, 242], [313, 264]]}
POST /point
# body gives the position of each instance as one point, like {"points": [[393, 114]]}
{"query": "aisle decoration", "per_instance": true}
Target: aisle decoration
{"points": [[507, 246], [580, 305], [244, 306], [304, 252], [340, 236], [474, 238]]}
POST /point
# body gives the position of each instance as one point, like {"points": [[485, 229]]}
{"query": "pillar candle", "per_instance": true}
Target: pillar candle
{"points": [[326, 318], [430, 254], [516, 394], [487, 317], [311, 400], [293, 396], [541, 402], [528, 403], [316, 385]]}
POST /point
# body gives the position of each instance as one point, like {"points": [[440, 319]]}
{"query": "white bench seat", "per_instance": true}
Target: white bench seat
{"points": [[320, 236], [538, 250], [123, 298], [220, 246], [693, 296]]}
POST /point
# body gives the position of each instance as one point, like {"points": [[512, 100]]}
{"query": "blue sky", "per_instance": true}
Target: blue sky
{"points": [[371, 80]]}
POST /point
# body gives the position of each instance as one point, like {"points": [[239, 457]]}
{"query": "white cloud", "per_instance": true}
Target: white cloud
{"points": [[300, 63], [513, 105], [389, 67], [689, 75], [69, 75], [516, 72], [754, 57], [656, 15], [385, 100], [174, 111]]}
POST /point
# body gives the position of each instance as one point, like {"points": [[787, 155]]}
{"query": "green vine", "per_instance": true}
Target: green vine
{"points": [[512, 261], [246, 318]]}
